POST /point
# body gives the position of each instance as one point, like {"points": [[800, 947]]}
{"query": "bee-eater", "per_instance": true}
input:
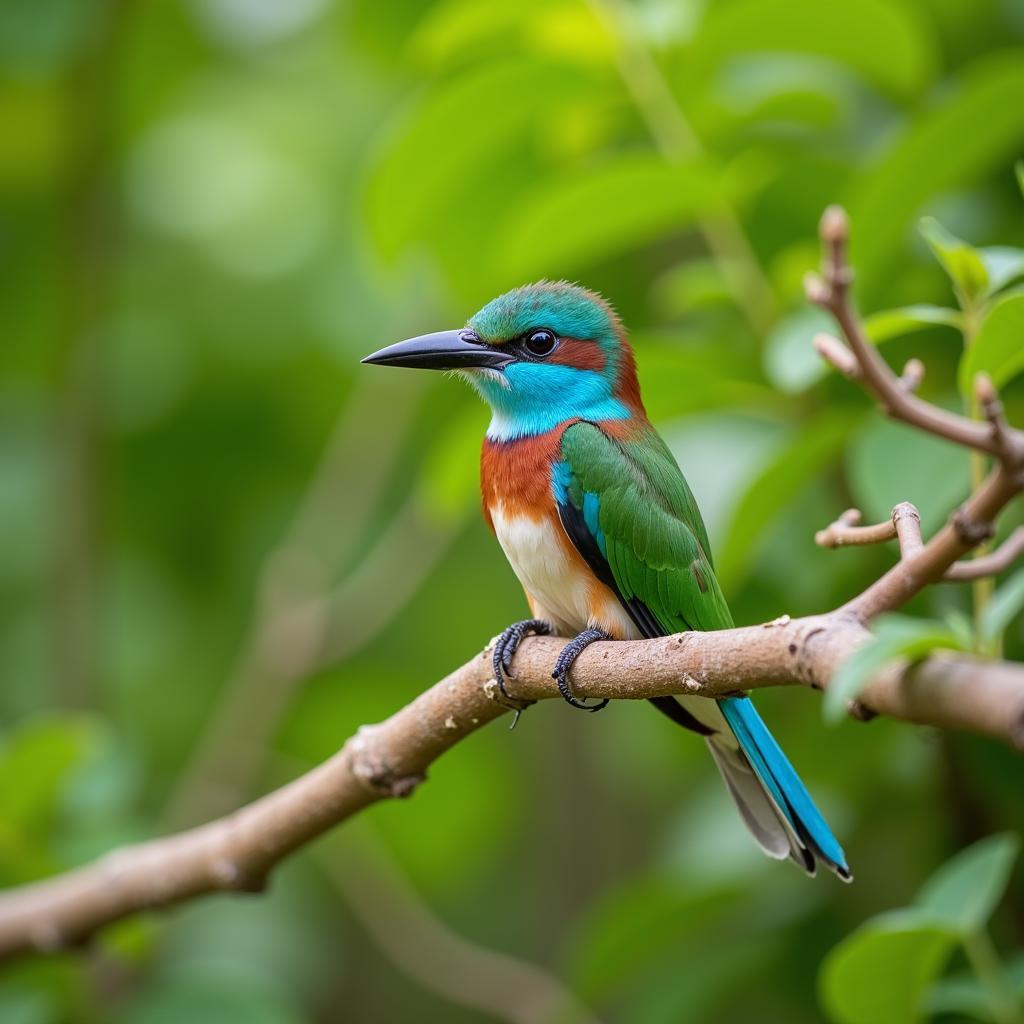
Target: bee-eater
{"points": [[600, 526]]}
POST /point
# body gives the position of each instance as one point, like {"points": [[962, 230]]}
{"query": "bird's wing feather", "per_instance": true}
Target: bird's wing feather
{"points": [[630, 510], [626, 507]]}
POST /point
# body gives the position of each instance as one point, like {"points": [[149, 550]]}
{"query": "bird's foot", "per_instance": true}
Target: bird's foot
{"points": [[505, 648], [567, 658]]}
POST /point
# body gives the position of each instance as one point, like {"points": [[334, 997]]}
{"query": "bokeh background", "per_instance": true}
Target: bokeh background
{"points": [[224, 544]]}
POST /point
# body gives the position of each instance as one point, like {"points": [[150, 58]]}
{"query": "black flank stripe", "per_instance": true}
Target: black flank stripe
{"points": [[642, 616]]}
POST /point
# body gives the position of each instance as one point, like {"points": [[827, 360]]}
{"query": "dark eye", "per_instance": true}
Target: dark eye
{"points": [[541, 343]]}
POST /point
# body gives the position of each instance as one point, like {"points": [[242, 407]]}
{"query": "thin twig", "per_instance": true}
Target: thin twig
{"points": [[846, 531], [991, 564], [831, 291], [991, 407], [837, 355], [912, 375], [904, 524], [974, 521]]}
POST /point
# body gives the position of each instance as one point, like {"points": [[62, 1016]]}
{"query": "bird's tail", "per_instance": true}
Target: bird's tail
{"points": [[773, 801]]}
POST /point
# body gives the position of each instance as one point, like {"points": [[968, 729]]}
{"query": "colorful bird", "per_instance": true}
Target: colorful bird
{"points": [[600, 526]]}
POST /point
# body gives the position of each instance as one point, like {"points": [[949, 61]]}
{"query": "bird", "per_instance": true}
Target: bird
{"points": [[601, 528]]}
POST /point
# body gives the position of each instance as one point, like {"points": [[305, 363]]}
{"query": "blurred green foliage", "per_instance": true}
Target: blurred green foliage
{"points": [[210, 209], [887, 969]]}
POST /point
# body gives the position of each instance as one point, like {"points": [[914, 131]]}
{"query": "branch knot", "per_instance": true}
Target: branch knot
{"points": [[374, 773], [971, 531], [493, 692]]}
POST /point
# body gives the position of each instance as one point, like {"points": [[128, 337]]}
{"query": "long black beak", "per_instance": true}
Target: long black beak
{"points": [[442, 350]]}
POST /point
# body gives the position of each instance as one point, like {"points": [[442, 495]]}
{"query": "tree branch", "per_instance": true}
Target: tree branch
{"points": [[831, 291], [973, 522], [905, 525], [237, 852], [988, 565]]}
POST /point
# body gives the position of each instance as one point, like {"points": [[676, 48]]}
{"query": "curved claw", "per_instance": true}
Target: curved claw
{"points": [[565, 661], [575, 702], [507, 654], [507, 644]]}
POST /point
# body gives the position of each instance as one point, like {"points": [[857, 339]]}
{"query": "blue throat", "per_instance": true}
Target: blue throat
{"points": [[540, 396]]}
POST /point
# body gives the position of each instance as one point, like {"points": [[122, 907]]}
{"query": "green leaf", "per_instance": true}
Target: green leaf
{"points": [[402, 205], [965, 890], [941, 150], [791, 361], [695, 995], [19, 1006], [36, 762], [879, 974], [689, 287], [894, 637], [886, 43], [893, 323], [962, 627], [630, 927], [1004, 265], [640, 198], [998, 347], [454, 30], [673, 364], [960, 260], [208, 1001], [463, 26], [778, 484], [722, 453], [1002, 608], [962, 995], [449, 483], [888, 463]]}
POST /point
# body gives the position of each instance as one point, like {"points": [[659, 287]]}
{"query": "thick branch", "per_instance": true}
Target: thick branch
{"points": [[237, 852]]}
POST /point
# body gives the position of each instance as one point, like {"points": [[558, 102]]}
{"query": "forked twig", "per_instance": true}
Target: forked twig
{"points": [[973, 522]]}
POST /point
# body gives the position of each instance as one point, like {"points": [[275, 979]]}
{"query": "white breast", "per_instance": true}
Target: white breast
{"points": [[566, 592]]}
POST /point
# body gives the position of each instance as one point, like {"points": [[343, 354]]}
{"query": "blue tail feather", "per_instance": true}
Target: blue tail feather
{"points": [[782, 782]]}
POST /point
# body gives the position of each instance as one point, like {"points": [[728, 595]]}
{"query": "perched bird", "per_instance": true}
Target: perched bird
{"points": [[600, 526]]}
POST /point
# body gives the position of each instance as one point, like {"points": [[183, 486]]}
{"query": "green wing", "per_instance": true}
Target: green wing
{"points": [[627, 508]]}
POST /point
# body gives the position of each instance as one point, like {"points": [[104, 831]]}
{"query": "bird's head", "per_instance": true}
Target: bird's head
{"points": [[539, 355]]}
